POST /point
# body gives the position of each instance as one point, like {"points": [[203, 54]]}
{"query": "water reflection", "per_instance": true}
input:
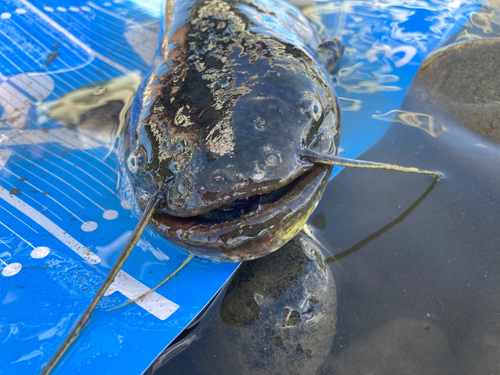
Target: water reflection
{"points": [[381, 231], [418, 120]]}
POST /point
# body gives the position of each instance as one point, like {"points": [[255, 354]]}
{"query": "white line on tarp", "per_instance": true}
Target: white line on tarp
{"points": [[73, 38], [130, 287], [50, 226]]}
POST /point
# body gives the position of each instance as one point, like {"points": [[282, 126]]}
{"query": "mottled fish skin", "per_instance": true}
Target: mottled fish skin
{"points": [[236, 92]]}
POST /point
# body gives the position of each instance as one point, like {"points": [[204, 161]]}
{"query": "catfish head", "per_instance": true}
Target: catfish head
{"points": [[224, 148], [235, 129]]}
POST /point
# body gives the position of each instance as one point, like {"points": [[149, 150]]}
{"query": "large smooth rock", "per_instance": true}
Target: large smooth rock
{"points": [[279, 313]]}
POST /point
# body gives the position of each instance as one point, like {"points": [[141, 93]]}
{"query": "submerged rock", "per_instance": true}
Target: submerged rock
{"points": [[469, 91], [279, 313], [277, 317], [481, 350]]}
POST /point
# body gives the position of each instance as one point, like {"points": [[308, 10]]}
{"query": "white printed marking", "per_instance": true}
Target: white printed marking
{"points": [[5, 15], [131, 288], [64, 182], [17, 105], [110, 214], [44, 208], [39, 86], [15, 217], [74, 9], [4, 157], [53, 135], [71, 174], [62, 43], [40, 252], [2, 241], [77, 167], [12, 269], [89, 226], [85, 8], [103, 37], [48, 9], [20, 11], [61, 9], [112, 14], [50, 226], [41, 191], [74, 39], [16, 234], [23, 50], [9, 60]]}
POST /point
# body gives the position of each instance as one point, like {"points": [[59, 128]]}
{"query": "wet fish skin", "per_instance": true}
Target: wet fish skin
{"points": [[237, 91]]}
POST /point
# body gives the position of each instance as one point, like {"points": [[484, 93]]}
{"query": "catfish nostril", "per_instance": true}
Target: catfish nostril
{"points": [[260, 124], [271, 159], [137, 160], [181, 188], [323, 144]]}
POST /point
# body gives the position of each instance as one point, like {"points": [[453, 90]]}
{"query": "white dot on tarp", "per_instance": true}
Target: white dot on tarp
{"points": [[48, 9], [61, 9], [85, 8], [107, 4], [110, 214], [20, 11], [40, 252], [12, 269], [125, 204], [74, 9], [5, 15], [89, 226]]}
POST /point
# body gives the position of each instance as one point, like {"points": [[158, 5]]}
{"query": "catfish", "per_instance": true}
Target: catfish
{"points": [[232, 135]]}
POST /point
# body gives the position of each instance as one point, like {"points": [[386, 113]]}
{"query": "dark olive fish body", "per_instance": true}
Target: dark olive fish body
{"points": [[237, 92]]}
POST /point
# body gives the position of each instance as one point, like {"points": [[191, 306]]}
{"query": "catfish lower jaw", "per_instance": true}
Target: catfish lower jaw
{"points": [[255, 233]]}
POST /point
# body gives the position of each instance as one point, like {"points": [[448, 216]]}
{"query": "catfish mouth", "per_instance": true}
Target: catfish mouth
{"points": [[248, 228], [240, 209]]}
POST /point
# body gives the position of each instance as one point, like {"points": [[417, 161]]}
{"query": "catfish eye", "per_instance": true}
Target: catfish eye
{"points": [[137, 160], [314, 109]]}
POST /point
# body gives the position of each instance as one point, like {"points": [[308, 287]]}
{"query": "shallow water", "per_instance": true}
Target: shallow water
{"points": [[417, 287]]}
